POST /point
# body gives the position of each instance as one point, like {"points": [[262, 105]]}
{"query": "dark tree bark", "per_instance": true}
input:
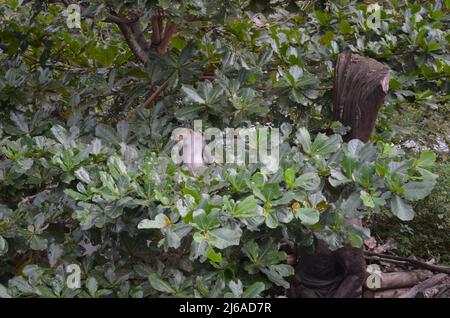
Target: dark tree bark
{"points": [[360, 85]]}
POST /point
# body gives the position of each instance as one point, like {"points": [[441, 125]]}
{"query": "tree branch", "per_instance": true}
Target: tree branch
{"points": [[133, 43], [165, 42], [155, 94], [138, 32]]}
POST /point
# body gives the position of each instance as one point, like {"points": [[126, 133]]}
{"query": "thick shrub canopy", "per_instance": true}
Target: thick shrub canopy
{"points": [[86, 175]]}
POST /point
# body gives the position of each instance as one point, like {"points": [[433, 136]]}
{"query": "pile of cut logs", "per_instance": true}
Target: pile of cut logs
{"points": [[413, 284], [391, 276]]}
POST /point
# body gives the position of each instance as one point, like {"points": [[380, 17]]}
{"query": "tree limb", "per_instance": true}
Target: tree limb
{"points": [[130, 30], [155, 94], [138, 32], [133, 43]]}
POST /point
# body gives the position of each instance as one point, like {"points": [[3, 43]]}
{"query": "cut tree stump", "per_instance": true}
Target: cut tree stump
{"points": [[360, 85]]}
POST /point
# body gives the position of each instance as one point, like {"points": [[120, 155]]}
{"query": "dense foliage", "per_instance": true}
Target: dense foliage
{"points": [[85, 169]]}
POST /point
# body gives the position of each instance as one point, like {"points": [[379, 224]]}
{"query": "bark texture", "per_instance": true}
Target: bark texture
{"points": [[360, 85]]}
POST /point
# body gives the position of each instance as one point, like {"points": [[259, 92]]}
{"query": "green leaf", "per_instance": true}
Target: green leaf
{"points": [[76, 195], [206, 221], [367, 199], [4, 292], [417, 190], [304, 139], [274, 277], [246, 208], [309, 181], [212, 255], [45, 292], [161, 220], [308, 216], [83, 175], [107, 133], [355, 239], [324, 145], [224, 237], [38, 243], [60, 134], [323, 17], [284, 270], [3, 246], [296, 72], [192, 94], [228, 205], [345, 27], [54, 253], [254, 290], [400, 209], [160, 285], [178, 42], [92, 285], [173, 240], [289, 177], [426, 160], [161, 198], [327, 38], [271, 219], [337, 178], [296, 96], [236, 288], [20, 122]]}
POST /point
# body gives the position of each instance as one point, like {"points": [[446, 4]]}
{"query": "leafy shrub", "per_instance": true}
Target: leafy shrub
{"points": [[133, 214], [425, 235]]}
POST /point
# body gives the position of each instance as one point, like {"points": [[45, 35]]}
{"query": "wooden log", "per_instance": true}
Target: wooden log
{"points": [[360, 85], [388, 293], [434, 291], [397, 280], [430, 282]]}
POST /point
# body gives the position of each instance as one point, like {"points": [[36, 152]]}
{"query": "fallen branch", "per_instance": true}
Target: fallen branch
{"points": [[423, 286], [435, 268]]}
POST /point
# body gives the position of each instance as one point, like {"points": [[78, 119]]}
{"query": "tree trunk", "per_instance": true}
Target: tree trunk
{"points": [[360, 85]]}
